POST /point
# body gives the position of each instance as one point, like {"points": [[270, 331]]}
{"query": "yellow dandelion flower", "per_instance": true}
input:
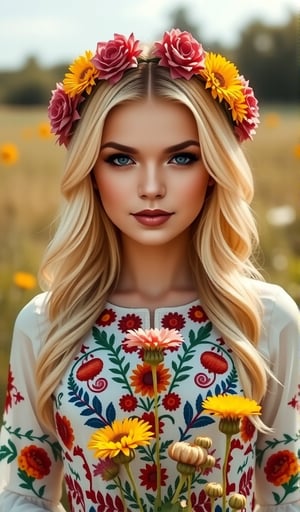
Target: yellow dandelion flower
{"points": [[122, 436], [231, 406], [82, 75], [24, 280], [44, 130], [9, 154], [221, 77]]}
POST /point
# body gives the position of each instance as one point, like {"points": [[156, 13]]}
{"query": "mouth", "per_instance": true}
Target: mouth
{"points": [[154, 217]]}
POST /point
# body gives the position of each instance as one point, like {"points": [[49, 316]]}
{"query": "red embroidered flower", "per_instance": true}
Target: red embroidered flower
{"points": [[62, 113], [150, 418], [200, 502], [128, 403], [11, 392], [89, 369], [213, 362], [181, 53], [130, 321], [171, 401], [65, 430], [173, 321], [107, 317], [113, 57], [281, 466], [141, 379], [148, 476], [34, 461], [247, 429], [197, 314], [246, 482]]}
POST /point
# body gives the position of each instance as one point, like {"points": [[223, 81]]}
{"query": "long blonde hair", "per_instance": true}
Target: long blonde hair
{"points": [[82, 264]]}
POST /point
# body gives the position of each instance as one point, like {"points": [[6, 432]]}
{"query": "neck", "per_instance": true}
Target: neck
{"points": [[155, 275]]}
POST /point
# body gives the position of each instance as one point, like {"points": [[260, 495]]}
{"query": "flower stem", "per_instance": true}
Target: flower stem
{"points": [[179, 487], [224, 472], [129, 473], [118, 482], [157, 450], [189, 490]]}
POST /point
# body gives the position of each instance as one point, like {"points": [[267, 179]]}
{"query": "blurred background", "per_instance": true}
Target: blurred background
{"points": [[38, 42]]}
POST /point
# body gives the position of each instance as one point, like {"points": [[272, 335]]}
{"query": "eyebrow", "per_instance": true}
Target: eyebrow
{"points": [[170, 149]]}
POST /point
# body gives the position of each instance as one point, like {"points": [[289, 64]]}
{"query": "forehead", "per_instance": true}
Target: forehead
{"points": [[146, 120]]}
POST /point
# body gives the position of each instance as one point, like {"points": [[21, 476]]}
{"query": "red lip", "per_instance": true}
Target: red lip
{"points": [[152, 217], [152, 213]]}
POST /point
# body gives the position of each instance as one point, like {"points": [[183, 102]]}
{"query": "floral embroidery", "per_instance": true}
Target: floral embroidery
{"points": [[107, 317], [34, 461], [128, 403], [65, 430], [281, 466], [171, 401], [129, 322], [141, 379], [11, 392], [197, 314], [173, 321], [148, 477]]}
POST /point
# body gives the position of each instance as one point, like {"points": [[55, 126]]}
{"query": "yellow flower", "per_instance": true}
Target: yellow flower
{"points": [[24, 280], [239, 107], [9, 154], [297, 150], [44, 130], [82, 76], [221, 77], [122, 436], [231, 406]]}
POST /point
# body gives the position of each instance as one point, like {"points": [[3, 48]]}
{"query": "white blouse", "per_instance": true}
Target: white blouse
{"points": [[106, 382]]}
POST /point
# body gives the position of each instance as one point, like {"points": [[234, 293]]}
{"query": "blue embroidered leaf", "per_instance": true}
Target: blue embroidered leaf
{"points": [[203, 421], [110, 413], [97, 406], [87, 412], [95, 423], [188, 413], [217, 390]]}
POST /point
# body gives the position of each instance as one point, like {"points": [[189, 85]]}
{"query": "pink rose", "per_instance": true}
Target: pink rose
{"points": [[180, 52], [62, 112], [115, 56], [246, 128]]}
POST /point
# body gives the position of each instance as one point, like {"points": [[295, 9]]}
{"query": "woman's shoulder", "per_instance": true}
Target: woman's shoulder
{"points": [[33, 315]]}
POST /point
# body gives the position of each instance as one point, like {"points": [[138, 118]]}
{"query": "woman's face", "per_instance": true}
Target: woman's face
{"points": [[149, 173]]}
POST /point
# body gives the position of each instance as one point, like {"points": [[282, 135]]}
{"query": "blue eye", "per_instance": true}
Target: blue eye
{"points": [[184, 158], [119, 160]]}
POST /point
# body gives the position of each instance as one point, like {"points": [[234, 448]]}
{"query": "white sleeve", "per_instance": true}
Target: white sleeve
{"points": [[278, 468], [30, 456]]}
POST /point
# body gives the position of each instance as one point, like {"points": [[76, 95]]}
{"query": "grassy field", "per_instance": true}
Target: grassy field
{"points": [[29, 198]]}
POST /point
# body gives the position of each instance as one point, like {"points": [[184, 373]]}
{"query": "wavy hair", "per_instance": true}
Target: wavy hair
{"points": [[82, 263]]}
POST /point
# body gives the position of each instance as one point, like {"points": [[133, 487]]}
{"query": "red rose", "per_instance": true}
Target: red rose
{"points": [[62, 112], [180, 52], [115, 56]]}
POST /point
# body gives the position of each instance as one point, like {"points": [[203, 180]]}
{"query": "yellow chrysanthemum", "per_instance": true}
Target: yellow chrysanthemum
{"points": [[238, 107], [9, 154], [231, 406], [82, 75], [221, 77], [122, 436], [24, 280]]}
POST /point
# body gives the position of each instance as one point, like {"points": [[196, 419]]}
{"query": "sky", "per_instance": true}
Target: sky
{"points": [[57, 31]]}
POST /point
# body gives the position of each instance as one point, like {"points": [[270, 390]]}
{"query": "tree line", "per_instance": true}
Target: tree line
{"points": [[269, 56]]}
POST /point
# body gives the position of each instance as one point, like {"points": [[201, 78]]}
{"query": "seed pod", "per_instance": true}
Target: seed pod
{"points": [[237, 501], [187, 453], [213, 490]]}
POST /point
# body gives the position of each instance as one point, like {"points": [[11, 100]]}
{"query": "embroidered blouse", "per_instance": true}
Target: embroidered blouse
{"points": [[107, 381]]}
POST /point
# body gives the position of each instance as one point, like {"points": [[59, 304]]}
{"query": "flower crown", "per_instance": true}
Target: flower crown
{"points": [[179, 52]]}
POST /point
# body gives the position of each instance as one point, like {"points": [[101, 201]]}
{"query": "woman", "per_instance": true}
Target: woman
{"points": [[156, 231]]}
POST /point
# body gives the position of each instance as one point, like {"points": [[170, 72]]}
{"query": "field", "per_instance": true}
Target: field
{"points": [[29, 195]]}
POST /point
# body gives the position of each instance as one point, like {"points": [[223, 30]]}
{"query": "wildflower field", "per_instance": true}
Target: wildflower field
{"points": [[30, 168]]}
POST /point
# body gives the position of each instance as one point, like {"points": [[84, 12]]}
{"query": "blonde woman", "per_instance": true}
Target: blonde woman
{"points": [[156, 233]]}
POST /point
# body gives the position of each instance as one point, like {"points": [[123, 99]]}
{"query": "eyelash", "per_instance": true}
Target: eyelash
{"points": [[112, 159]]}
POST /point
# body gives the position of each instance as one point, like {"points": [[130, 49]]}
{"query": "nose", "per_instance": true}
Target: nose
{"points": [[151, 184]]}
